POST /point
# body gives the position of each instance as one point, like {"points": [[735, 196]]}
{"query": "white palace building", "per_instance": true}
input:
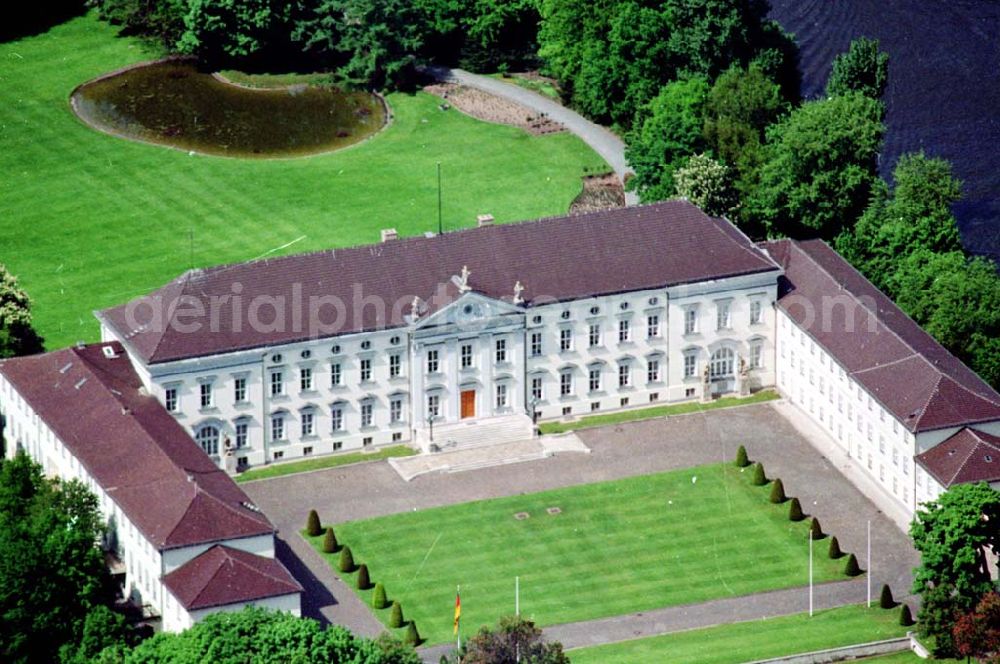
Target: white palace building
{"points": [[464, 338]]}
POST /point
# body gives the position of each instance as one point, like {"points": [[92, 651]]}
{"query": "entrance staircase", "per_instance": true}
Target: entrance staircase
{"points": [[472, 433]]}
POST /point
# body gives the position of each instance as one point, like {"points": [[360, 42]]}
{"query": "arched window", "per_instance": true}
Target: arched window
{"points": [[208, 438], [722, 363]]}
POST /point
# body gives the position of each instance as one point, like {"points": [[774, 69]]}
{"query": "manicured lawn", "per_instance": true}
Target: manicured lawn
{"points": [[759, 639], [89, 220], [616, 547], [656, 411], [319, 463]]}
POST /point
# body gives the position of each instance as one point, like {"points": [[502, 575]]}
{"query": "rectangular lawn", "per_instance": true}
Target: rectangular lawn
{"points": [[758, 639], [614, 548]]}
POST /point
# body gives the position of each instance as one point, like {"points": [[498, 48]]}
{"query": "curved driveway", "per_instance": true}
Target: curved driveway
{"points": [[602, 141]]}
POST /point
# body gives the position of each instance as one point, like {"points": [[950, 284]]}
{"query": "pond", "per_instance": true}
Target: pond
{"points": [[173, 103]]}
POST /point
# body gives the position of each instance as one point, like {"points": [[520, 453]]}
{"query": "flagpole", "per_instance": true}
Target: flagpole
{"points": [[810, 575], [458, 634]]}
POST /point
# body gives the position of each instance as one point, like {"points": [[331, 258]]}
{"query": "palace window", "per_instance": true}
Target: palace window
{"points": [[366, 370], [756, 312], [336, 418], [501, 399], [690, 365], [536, 388], [624, 331], [722, 363], [465, 355], [756, 355], [595, 379], [595, 334], [501, 351], [305, 379], [208, 439], [278, 427], [690, 320], [206, 395], [395, 365], [434, 405], [335, 374], [565, 339], [652, 326], [170, 399], [308, 423], [277, 384], [396, 410], [566, 383], [723, 315], [624, 375], [240, 389], [536, 344], [653, 371], [433, 362], [242, 434], [366, 414]]}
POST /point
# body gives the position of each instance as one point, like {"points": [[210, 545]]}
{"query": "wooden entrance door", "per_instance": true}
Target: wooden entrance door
{"points": [[468, 404]]}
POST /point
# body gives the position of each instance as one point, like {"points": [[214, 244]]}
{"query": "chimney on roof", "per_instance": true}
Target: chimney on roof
{"points": [[389, 234], [484, 220]]}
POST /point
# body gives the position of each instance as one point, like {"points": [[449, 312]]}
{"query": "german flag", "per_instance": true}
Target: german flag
{"points": [[458, 609]]}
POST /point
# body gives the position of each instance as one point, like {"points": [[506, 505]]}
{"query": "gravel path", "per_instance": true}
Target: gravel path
{"points": [[602, 141], [638, 448]]}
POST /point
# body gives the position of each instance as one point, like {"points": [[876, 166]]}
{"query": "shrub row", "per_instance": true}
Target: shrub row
{"points": [[346, 564]]}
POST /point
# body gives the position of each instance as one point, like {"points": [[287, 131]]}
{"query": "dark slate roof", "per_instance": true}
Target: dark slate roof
{"points": [[139, 454], [223, 576], [968, 456], [563, 258], [902, 366]]}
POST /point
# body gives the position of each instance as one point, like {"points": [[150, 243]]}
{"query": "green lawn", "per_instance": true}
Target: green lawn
{"points": [[759, 639], [656, 411], [319, 463], [617, 547], [89, 220]]}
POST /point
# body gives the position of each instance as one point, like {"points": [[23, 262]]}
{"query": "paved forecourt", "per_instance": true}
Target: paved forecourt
{"points": [[638, 448]]}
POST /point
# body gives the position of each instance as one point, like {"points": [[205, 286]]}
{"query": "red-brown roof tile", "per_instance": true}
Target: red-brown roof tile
{"points": [[968, 456], [139, 454], [902, 366], [564, 258], [223, 576]]}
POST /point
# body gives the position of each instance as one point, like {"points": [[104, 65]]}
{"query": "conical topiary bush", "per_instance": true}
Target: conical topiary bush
{"points": [[795, 510], [815, 530], [742, 460], [364, 582], [330, 544], [759, 478], [835, 551], [886, 600], [905, 617], [396, 617], [346, 562], [852, 568], [313, 529], [778, 492], [412, 635], [378, 597]]}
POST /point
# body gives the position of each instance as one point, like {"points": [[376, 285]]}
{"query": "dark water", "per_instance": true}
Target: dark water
{"points": [[944, 86], [174, 104]]}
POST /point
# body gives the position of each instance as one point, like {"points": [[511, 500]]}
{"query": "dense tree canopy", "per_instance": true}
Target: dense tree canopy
{"points": [[819, 167], [267, 637], [670, 131], [863, 68], [17, 336], [225, 31], [54, 586], [916, 215], [708, 184], [514, 640]]}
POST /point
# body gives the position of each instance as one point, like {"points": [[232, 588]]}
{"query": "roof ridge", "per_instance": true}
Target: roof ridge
{"points": [[968, 456], [229, 552], [886, 364], [211, 579], [200, 490], [751, 246]]}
